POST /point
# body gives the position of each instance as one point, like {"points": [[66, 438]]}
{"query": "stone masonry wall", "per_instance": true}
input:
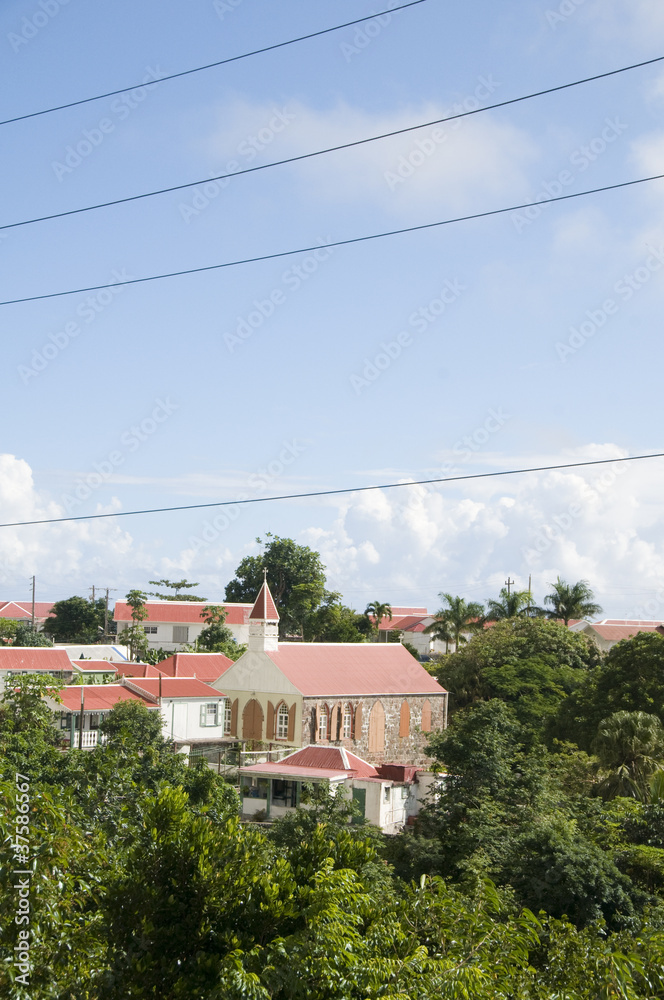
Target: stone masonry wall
{"points": [[407, 749]]}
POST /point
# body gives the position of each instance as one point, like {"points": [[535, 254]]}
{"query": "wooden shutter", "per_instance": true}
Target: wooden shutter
{"points": [[314, 724], [426, 717], [404, 720], [377, 728], [270, 731], [332, 723], [203, 719], [357, 733], [291, 724], [234, 718]]}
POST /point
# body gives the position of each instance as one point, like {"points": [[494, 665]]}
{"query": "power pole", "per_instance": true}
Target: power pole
{"points": [[92, 588], [509, 583], [33, 603]]}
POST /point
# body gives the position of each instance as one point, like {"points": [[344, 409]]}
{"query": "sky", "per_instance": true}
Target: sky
{"points": [[523, 339]]}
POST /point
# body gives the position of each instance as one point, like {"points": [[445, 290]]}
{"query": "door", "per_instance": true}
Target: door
{"points": [[360, 801], [252, 721]]}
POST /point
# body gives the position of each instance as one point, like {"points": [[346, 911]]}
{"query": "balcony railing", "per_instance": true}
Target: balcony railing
{"points": [[91, 737]]}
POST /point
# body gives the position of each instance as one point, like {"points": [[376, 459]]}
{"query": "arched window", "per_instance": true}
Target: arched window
{"points": [[377, 728], [282, 722], [323, 722], [404, 720], [348, 722], [426, 717]]}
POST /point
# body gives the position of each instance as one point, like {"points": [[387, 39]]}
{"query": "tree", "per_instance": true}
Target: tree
{"points": [[630, 747], [7, 631], [334, 622], [455, 618], [26, 635], [24, 708], [76, 620], [177, 586], [530, 663], [510, 605], [569, 601], [378, 611], [134, 725], [288, 564], [217, 637], [134, 635]]}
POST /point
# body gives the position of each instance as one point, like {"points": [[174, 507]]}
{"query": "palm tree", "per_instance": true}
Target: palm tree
{"points": [[511, 604], [458, 617], [568, 601], [630, 747], [378, 611]]}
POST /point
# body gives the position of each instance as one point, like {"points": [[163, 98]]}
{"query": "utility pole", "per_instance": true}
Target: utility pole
{"points": [[509, 583], [107, 591], [92, 588], [33, 603]]}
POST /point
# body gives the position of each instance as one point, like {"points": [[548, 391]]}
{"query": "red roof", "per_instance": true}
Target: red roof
{"points": [[34, 658], [181, 612], [137, 670], [206, 666], [348, 668], [264, 607], [632, 622], [23, 609], [97, 697], [319, 762], [404, 623], [94, 665], [174, 687], [610, 632]]}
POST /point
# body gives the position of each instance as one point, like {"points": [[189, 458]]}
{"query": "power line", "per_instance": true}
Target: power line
{"points": [[220, 62], [329, 493], [322, 152], [335, 243]]}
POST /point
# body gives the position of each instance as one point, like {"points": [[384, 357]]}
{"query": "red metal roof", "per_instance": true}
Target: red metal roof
{"points": [[174, 687], [610, 632], [404, 623], [137, 670], [293, 773], [264, 607], [34, 658], [94, 665], [206, 666], [23, 609], [97, 697], [335, 758], [647, 623], [181, 612], [347, 668]]}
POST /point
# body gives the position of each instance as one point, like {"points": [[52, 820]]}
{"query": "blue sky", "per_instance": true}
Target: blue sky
{"points": [[510, 341]]}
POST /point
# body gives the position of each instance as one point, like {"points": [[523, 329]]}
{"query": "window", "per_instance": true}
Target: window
{"points": [[284, 793], [387, 793], [228, 713], [323, 717], [180, 633], [254, 788], [348, 722], [209, 714], [282, 723], [150, 629]]}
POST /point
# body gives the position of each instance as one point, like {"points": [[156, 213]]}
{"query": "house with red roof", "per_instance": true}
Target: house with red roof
{"points": [[373, 699], [386, 795], [192, 712], [21, 611], [170, 625], [17, 660], [609, 631]]}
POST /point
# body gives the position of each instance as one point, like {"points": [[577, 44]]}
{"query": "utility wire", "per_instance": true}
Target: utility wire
{"points": [[335, 243], [220, 62], [329, 493], [322, 152]]}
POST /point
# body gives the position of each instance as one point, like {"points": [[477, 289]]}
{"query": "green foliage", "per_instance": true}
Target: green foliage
{"points": [[288, 565], [567, 601], [375, 612], [530, 663], [511, 604], [177, 586], [26, 635], [217, 637], [7, 631], [334, 622], [630, 679], [23, 707], [76, 620], [456, 617], [630, 747]]}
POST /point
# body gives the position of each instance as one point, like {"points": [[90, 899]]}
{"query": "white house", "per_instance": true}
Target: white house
{"points": [[17, 660], [386, 795], [609, 631], [191, 711], [21, 611], [170, 625]]}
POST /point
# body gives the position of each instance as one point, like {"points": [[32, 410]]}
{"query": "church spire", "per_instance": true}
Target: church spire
{"points": [[264, 621]]}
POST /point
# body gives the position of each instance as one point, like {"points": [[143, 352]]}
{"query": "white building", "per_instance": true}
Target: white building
{"points": [[171, 625]]}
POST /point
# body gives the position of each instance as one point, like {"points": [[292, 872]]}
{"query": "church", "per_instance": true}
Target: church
{"points": [[374, 699]]}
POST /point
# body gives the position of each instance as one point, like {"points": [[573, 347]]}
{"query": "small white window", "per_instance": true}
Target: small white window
{"points": [[322, 724], [228, 711], [209, 714], [348, 722], [282, 723], [150, 629]]}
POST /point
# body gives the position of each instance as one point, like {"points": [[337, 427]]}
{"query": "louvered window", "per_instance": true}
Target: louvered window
{"points": [[180, 633]]}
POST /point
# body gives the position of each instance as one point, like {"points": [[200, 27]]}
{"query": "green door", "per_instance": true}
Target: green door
{"points": [[359, 800]]}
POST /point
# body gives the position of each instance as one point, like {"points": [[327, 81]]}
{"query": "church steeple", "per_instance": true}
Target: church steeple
{"points": [[264, 622]]}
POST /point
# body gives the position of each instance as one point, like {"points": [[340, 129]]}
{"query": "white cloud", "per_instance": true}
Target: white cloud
{"points": [[450, 167]]}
